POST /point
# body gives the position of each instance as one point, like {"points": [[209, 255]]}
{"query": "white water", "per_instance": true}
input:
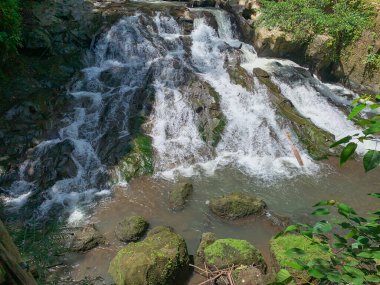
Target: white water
{"points": [[140, 51]]}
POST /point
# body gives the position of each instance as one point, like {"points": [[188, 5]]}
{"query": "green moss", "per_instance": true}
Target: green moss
{"points": [[240, 76], [282, 244], [140, 160], [157, 260], [218, 131], [131, 228], [226, 252]]}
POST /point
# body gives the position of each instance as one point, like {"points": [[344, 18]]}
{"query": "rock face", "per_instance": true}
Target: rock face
{"points": [[86, 238], [319, 54], [236, 205], [179, 195], [314, 139], [223, 253], [248, 275], [131, 228], [160, 259]]}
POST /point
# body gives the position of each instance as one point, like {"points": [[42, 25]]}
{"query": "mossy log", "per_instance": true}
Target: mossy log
{"points": [[11, 271]]}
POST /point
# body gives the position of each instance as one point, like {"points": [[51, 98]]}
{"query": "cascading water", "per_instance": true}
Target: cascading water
{"points": [[142, 52]]}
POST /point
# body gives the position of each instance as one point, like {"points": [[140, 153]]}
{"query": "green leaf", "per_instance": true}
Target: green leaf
{"points": [[374, 106], [371, 160], [363, 240], [296, 265], [356, 110], [347, 152], [365, 254], [375, 128], [345, 210], [322, 227], [354, 271], [295, 252], [334, 277], [376, 195], [372, 278], [321, 212], [316, 273], [325, 203], [341, 141], [283, 276]]}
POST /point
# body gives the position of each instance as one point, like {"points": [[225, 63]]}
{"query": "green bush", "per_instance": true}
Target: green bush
{"points": [[10, 28], [343, 20]]}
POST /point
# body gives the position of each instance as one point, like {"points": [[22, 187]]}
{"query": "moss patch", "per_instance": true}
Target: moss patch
{"points": [[131, 228], [226, 252], [282, 244], [157, 260], [140, 160]]}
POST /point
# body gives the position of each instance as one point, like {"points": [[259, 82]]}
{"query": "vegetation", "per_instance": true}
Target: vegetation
{"points": [[354, 241], [343, 20], [371, 127], [10, 28]]}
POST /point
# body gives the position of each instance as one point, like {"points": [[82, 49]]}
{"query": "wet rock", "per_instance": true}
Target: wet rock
{"points": [[315, 140], [131, 228], [248, 275], [206, 240], [240, 77], [178, 196], [86, 238], [201, 3], [236, 205], [320, 54], [158, 260], [224, 253], [140, 159]]}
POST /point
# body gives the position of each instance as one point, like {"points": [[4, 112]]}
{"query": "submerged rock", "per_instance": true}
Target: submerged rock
{"points": [[236, 205], [178, 196], [224, 253], [160, 259], [86, 238], [248, 275], [131, 228]]}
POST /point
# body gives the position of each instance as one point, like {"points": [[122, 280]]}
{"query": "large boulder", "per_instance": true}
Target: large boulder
{"points": [[207, 239], [224, 253], [236, 205], [131, 228], [178, 195], [86, 238], [160, 259]]}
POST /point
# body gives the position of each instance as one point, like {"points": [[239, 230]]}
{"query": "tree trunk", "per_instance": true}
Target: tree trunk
{"points": [[10, 259]]}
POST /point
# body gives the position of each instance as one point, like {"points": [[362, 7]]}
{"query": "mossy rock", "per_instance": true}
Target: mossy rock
{"points": [[224, 253], [160, 259], [139, 161], [315, 140], [179, 195], [240, 76], [207, 239], [280, 246], [86, 238], [248, 275], [131, 228], [236, 205]]}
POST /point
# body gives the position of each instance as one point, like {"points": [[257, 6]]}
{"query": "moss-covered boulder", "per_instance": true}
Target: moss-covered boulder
{"points": [[236, 205], [160, 259], [280, 246], [315, 140], [139, 161], [207, 239], [179, 194], [224, 253], [131, 228]]}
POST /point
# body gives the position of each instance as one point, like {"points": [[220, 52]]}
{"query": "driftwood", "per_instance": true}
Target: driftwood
{"points": [[212, 275], [295, 150], [11, 262]]}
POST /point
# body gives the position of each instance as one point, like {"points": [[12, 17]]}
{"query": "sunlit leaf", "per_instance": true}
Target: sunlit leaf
{"points": [[341, 141], [321, 212], [371, 160], [316, 273], [356, 110], [347, 152], [283, 276], [322, 227]]}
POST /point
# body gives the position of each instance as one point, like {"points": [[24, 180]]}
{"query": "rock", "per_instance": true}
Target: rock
{"points": [[160, 259], [248, 275], [206, 240], [140, 159], [86, 238], [315, 140], [201, 3], [179, 195], [131, 228], [280, 246], [320, 54], [224, 253], [275, 43], [236, 205]]}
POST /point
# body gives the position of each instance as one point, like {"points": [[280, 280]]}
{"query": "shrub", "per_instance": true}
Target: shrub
{"points": [[343, 20], [10, 28]]}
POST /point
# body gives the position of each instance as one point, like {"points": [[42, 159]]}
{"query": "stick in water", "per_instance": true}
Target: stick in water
{"points": [[294, 149]]}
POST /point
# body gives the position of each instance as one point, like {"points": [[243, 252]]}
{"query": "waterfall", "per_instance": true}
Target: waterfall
{"points": [[141, 53]]}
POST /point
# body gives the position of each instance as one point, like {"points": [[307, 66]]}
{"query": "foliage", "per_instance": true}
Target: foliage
{"points": [[10, 27], [372, 60], [343, 20], [371, 128], [354, 240]]}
